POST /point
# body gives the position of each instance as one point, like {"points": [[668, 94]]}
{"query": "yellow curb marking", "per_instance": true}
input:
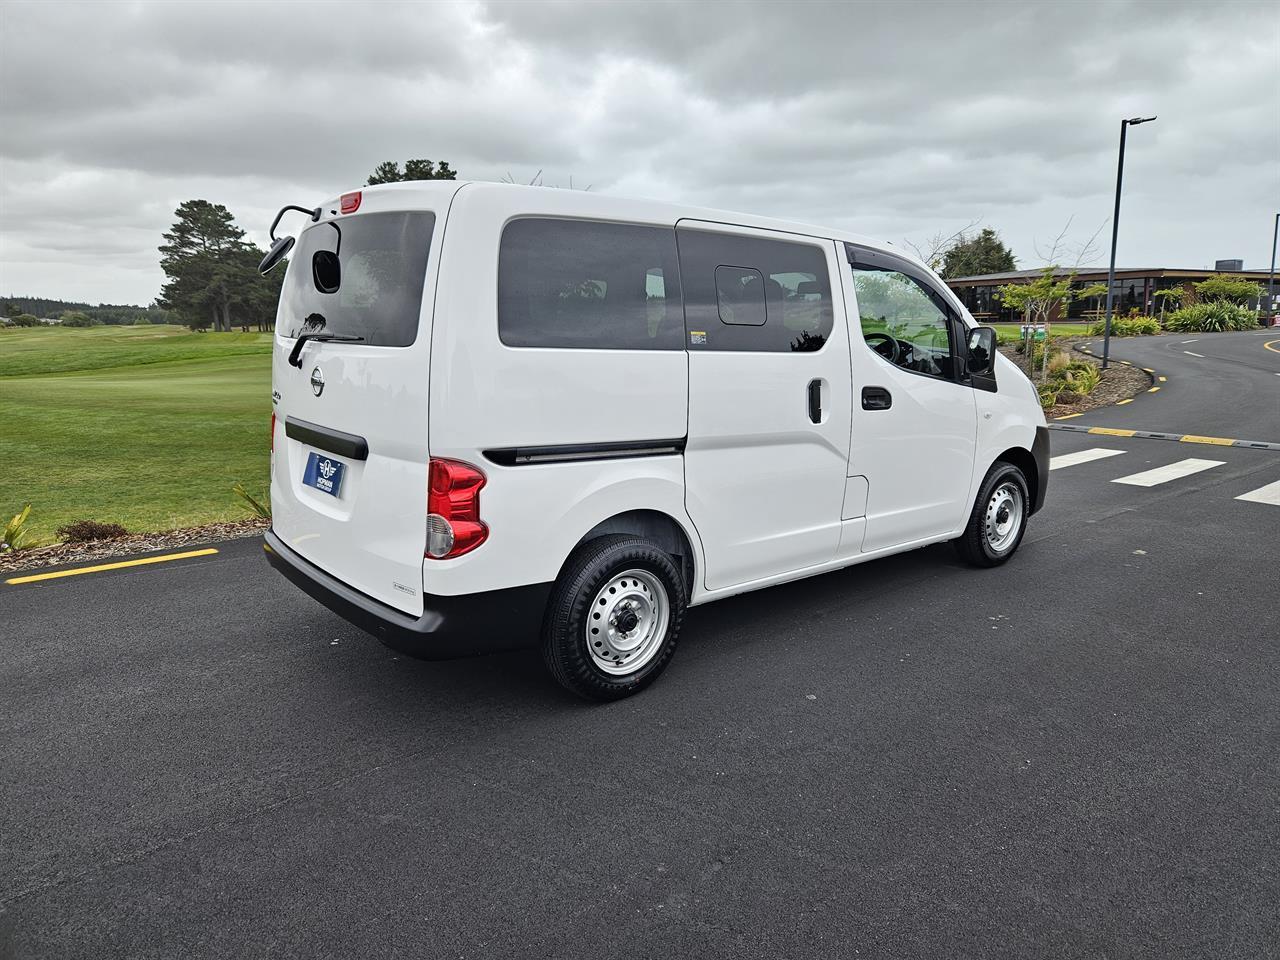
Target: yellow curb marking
{"points": [[1148, 369], [1068, 416], [1216, 441], [1121, 403], [1162, 379], [1270, 345], [1153, 390], [111, 566], [1112, 432]]}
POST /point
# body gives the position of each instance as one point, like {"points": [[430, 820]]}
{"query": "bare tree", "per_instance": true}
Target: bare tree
{"points": [[537, 181], [1062, 247], [932, 249]]}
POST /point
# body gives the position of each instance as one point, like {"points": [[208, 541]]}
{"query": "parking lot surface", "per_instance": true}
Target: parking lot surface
{"points": [[1070, 756]]}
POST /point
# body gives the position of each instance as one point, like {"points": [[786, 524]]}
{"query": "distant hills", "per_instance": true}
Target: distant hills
{"points": [[117, 313]]}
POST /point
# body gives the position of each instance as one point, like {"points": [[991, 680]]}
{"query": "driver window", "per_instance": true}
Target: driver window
{"points": [[902, 323]]}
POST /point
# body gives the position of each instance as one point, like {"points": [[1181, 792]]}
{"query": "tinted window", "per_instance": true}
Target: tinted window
{"points": [[749, 293], [359, 276], [576, 283], [903, 321]]}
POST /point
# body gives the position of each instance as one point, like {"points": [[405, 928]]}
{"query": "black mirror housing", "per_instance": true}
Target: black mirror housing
{"points": [[326, 271], [279, 248], [981, 358]]}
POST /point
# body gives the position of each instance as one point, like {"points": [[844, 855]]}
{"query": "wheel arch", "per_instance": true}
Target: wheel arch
{"points": [[662, 528], [1025, 461]]}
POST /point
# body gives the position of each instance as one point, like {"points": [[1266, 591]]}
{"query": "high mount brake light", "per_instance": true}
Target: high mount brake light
{"points": [[453, 509], [350, 202]]}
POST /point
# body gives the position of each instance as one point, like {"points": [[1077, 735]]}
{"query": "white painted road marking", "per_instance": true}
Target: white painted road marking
{"points": [[1190, 354], [1268, 494], [1189, 341], [1174, 471], [1082, 456]]}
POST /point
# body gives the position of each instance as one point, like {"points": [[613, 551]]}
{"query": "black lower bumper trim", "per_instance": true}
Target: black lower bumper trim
{"points": [[1040, 451], [449, 627]]}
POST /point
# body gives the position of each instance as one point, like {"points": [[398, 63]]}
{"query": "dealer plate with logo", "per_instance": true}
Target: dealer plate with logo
{"points": [[324, 473]]}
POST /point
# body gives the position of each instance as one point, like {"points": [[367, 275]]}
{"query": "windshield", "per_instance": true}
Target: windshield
{"points": [[359, 277]]}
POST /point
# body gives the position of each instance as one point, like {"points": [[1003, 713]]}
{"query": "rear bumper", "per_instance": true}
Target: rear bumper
{"points": [[1040, 451], [449, 627]]}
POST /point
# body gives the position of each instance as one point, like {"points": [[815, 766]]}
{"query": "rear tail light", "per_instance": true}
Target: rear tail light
{"points": [[349, 202], [453, 509]]}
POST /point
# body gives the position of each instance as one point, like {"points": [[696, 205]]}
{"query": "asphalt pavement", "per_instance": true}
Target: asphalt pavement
{"points": [[1070, 756]]}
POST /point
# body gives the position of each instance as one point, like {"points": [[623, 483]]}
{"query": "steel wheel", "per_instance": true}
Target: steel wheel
{"points": [[1003, 519], [628, 621]]}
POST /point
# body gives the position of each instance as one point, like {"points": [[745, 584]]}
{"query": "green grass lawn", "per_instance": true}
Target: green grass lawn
{"points": [[1012, 332], [145, 426]]}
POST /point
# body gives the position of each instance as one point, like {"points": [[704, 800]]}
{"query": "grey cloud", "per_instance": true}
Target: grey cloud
{"points": [[897, 119]]}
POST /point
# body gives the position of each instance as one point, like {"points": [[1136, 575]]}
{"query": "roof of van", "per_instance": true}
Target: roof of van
{"points": [[581, 202]]}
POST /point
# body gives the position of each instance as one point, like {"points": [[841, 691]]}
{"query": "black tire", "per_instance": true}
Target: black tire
{"points": [[973, 545], [564, 630]]}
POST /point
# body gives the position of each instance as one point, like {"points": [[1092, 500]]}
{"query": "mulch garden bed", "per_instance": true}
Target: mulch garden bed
{"points": [[1119, 382], [129, 545]]}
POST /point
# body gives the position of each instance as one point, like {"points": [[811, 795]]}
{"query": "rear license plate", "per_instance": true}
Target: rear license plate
{"points": [[324, 473]]}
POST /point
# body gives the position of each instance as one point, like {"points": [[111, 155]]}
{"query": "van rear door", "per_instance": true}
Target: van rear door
{"points": [[349, 461]]}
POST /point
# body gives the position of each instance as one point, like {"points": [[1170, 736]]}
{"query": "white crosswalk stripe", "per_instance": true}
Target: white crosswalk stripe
{"points": [[1172, 471], [1082, 456], [1268, 494]]}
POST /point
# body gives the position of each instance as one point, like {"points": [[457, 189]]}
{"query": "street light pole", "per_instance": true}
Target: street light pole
{"points": [[1115, 230]]}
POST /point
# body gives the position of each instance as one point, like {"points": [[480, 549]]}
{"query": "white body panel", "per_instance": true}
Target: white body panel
{"points": [[761, 494]]}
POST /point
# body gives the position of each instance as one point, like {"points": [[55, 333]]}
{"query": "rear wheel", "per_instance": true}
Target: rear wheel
{"points": [[998, 520], [613, 617]]}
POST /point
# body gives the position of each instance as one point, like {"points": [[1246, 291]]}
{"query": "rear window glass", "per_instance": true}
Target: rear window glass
{"points": [[373, 289], [578, 283]]}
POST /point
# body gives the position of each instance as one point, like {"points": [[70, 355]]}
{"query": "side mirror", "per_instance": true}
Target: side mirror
{"points": [[326, 271], [278, 249], [982, 351]]}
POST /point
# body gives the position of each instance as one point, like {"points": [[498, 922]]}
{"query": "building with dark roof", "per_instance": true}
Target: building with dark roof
{"points": [[1135, 289]]}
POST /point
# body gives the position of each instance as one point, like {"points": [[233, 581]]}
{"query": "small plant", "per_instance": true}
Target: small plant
{"points": [[1131, 326], [261, 509], [1082, 377], [1212, 317], [1049, 393], [86, 531], [16, 535]]}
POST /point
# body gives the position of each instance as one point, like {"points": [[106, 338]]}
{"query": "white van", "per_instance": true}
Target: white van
{"points": [[510, 416]]}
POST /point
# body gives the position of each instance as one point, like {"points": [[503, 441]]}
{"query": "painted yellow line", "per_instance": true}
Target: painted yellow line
{"points": [[1271, 345], [1148, 369], [1069, 416], [111, 566], [1126, 363], [1121, 403], [1112, 432], [1216, 441], [1163, 379], [1153, 390]]}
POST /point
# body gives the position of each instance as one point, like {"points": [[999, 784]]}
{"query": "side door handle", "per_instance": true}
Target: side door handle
{"points": [[815, 401], [876, 398]]}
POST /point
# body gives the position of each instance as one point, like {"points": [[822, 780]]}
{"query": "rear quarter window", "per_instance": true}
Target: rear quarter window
{"points": [[589, 285]]}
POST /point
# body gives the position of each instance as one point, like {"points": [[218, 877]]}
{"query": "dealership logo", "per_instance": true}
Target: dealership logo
{"points": [[327, 469]]}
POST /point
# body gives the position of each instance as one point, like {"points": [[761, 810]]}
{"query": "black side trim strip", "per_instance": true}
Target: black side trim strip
{"points": [[335, 441], [568, 453]]}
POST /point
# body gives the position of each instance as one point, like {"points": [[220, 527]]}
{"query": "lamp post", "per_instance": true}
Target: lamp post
{"points": [[1115, 229]]}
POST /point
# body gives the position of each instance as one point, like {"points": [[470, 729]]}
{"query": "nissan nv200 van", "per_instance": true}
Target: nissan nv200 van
{"points": [[509, 416]]}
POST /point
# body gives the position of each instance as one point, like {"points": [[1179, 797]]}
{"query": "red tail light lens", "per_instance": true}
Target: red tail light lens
{"points": [[350, 202], [453, 509]]}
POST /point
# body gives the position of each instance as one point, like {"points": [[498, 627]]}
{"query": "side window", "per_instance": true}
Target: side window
{"points": [[903, 321], [751, 293], [584, 284]]}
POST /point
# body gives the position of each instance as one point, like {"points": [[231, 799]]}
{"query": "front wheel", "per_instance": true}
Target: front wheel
{"points": [[613, 617], [998, 520]]}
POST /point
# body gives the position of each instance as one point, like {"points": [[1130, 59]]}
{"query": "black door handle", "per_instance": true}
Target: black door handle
{"points": [[815, 401], [876, 398]]}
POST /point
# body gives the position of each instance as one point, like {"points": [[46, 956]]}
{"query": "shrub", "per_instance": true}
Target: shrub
{"points": [[15, 535], [1131, 326], [85, 531], [261, 509], [1227, 289], [1213, 317], [1082, 377], [25, 320], [1058, 364], [1049, 393], [75, 318]]}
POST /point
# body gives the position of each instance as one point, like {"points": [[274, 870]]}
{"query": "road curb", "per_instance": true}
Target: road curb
{"points": [[1178, 437]]}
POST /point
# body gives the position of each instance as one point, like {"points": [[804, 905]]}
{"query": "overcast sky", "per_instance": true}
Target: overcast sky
{"points": [[896, 120]]}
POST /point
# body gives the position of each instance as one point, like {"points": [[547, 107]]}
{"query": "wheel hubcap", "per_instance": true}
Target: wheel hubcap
{"points": [[1003, 517], [627, 622]]}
